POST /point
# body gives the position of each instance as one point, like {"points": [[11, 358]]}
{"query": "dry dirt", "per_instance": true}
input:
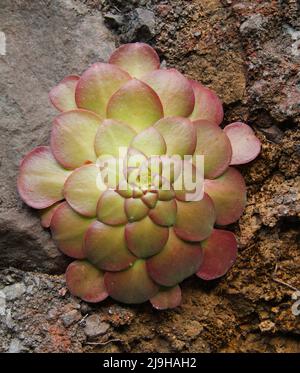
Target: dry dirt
{"points": [[249, 52]]}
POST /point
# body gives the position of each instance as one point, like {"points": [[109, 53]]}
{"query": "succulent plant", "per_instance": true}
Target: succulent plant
{"points": [[137, 238]]}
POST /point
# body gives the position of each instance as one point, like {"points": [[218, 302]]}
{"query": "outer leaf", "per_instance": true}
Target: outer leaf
{"points": [[72, 138], [195, 220], [135, 58], [47, 214], [207, 104], [245, 145], [132, 285], [228, 193], [219, 254], [177, 261], [86, 281], [83, 189], [68, 229], [41, 178], [215, 146], [167, 298], [174, 91], [97, 85], [62, 96], [135, 104], [144, 238], [105, 247]]}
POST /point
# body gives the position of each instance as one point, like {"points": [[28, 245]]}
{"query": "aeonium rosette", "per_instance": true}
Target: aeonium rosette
{"points": [[107, 186]]}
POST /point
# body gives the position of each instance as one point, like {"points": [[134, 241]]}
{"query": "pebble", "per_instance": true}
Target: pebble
{"points": [[14, 291], [94, 327], [15, 346], [70, 317]]}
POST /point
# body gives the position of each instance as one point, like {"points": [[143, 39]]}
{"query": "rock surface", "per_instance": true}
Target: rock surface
{"points": [[248, 51]]}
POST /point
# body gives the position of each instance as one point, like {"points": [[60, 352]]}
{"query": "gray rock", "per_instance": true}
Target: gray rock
{"points": [[45, 41], [254, 23], [70, 317], [15, 346], [2, 303], [94, 327], [14, 291]]}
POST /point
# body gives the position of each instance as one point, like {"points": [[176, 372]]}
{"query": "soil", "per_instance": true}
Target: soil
{"points": [[249, 53]]}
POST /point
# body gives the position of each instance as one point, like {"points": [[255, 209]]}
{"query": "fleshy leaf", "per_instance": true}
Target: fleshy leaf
{"points": [[72, 138], [245, 145], [135, 209], [219, 254], [83, 189], [136, 104], [144, 238], [110, 208], [62, 96], [228, 193], [164, 213], [68, 229], [111, 136], [207, 104], [177, 261], [41, 178], [135, 58], [179, 134], [47, 214], [97, 85], [132, 285], [150, 199], [86, 281], [215, 146], [189, 185], [174, 91], [195, 220], [105, 247], [150, 142], [167, 298]]}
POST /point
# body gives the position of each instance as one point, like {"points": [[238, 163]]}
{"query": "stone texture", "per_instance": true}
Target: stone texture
{"points": [[45, 42]]}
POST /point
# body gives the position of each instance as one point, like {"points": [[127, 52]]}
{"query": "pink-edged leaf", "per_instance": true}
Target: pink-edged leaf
{"points": [[167, 298], [179, 135], [215, 146], [97, 85], [132, 285], [85, 281], [73, 136], [150, 199], [245, 145], [207, 104], [228, 193], [164, 213], [111, 208], [176, 262], [174, 91], [135, 58], [144, 238], [135, 209], [219, 254], [68, 229], [62, 96], [41, 178], [136, 104], [105, 247], [83, 189], [195, 220], [47, 214]]}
